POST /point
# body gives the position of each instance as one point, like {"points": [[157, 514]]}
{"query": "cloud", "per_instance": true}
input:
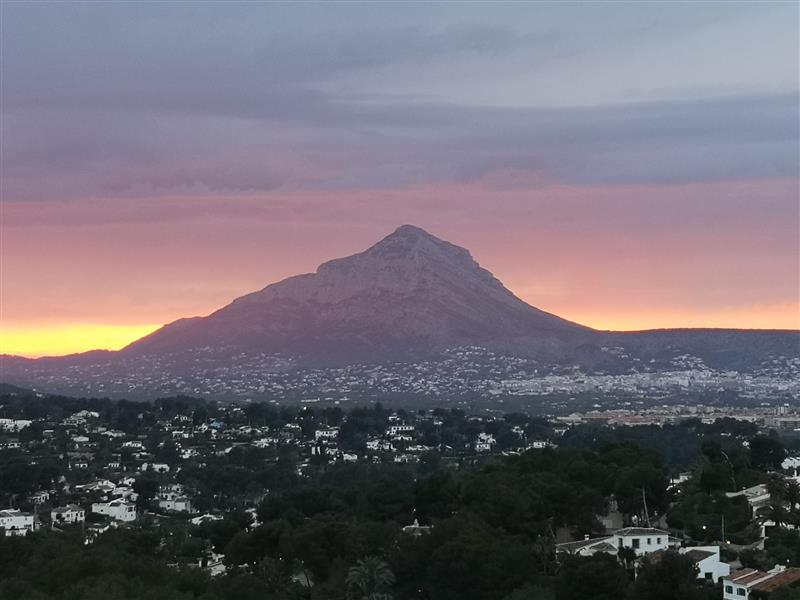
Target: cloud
{"points": [[332, 144], [117, 101], [600, 158]]}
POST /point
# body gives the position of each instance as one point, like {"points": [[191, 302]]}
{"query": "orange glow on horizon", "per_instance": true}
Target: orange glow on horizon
{"points": [[69, 338], [778, 317], [596, 255]]}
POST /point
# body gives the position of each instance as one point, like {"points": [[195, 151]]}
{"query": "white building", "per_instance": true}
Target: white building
{"points": [[416, 529], [792, 463], [377, 444], [173, 498], [119, 509], [399, 429], [757, 496], [485, 442], [14, 425], [740, 584], [483, 447], [588, 546], [39, 497], [155, 467], [213, 564], [16, 522], [328, 433], [67, 515], [80, 418], [266, 442], [179, 504], [643, 540], [538, 444], [199, 520], [708, 561]]}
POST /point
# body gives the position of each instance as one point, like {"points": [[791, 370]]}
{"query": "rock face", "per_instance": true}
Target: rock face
{"points": [[407, 297]]}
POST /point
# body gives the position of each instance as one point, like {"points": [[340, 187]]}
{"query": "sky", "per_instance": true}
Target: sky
{"points": [[624, 165]]}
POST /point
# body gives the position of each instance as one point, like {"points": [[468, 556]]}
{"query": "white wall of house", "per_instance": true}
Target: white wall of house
{"points": [[731, 591], [116, 509], [711, 568], [15, 522], [176, 504], [67, 515], [642, 543]]}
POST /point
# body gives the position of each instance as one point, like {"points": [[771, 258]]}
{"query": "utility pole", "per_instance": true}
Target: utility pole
{"points": [[646, 513], [724, 541]]}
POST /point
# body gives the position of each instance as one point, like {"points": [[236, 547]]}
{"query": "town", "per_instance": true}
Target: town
{"points": [[230, 491], [464, 376]]}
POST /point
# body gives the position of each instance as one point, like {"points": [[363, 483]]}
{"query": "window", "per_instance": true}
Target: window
{"points": [[728, 589], [709, 576], [649, 541], [741, 592], [658, 541], [635, 542], [621, 542]]}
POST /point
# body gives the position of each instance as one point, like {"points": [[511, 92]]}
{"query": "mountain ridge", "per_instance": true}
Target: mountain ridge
{"points": [[408, 294], [409, 297]]}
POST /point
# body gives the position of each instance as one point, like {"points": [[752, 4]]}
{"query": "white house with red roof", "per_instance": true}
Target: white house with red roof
{"points": [[746, 584]]}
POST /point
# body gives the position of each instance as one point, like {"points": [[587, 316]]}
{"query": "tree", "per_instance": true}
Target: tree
{"points": [[627, 555], [786, 593], [792, 494], [782, 547], [274, 573], [532, 592], [766, 452], [599, 577], [146, 487], [777, 513], [370, 579], [668, 576], [469, 559], [776, 486]]}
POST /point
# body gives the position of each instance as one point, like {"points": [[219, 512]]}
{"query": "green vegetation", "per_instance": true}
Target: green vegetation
{"points": [[292, 524], [340, 532]]}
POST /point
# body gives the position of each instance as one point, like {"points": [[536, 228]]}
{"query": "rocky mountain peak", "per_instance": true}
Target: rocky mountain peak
{"points": [[408, 295]]}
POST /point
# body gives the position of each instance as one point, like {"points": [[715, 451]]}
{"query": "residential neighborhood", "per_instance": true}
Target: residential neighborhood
{"points": [[187, 467]]}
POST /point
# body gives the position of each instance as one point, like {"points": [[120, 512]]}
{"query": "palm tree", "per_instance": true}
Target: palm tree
{"points": [[776, 486], [793, 494], [370, 579], [777, 514]]}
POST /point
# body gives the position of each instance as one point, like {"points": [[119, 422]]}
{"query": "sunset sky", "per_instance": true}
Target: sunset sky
{"points": [[627, 166]]}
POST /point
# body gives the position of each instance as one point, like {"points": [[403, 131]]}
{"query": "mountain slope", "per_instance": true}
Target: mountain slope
{"points": [[406, 308], [408, 296]]}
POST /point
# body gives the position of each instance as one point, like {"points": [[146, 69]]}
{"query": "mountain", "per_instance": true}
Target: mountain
{"points": [[415, 304], [409, 296]]}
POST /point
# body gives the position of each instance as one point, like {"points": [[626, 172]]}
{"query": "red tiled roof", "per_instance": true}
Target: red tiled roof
{"points": [[779, 580], [745, 576]]}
